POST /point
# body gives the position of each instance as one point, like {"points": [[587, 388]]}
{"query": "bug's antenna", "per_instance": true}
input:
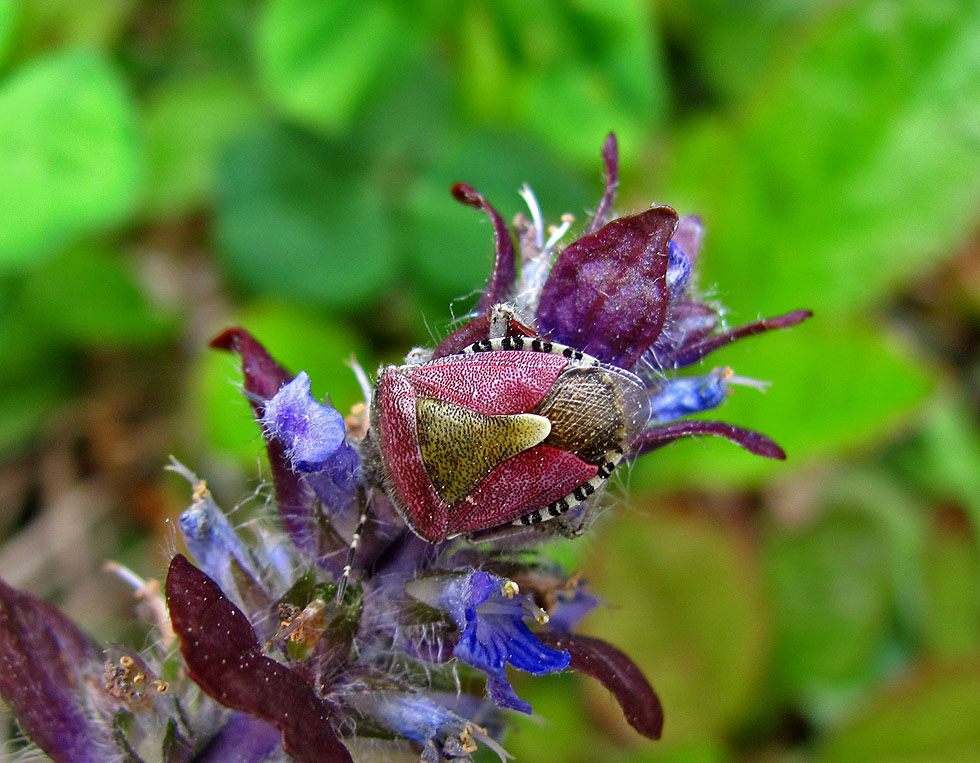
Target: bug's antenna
{"points": [[354, 541]]}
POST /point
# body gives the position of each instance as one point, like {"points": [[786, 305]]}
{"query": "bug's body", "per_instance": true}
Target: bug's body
{"points": [[510, 431]]}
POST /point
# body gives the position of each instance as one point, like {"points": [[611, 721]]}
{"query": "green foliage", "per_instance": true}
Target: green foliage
{"points": [[932, 715], [321, 62], [285, 165], [848, 169], [87, 296], [189, 125], [9, 15], [563, 71], [302, 217], [69, 153], [674, 584]]}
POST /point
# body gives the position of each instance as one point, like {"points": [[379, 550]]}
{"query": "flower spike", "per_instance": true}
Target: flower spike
{"points": [[461, 461]]}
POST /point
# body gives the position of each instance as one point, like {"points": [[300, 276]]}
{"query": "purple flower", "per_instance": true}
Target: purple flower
{"points": [[623, 293], [315, 440], [489, 613], [336, 628]]}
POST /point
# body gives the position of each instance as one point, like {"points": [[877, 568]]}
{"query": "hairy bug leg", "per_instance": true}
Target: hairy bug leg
{"points": [[354, 542]]}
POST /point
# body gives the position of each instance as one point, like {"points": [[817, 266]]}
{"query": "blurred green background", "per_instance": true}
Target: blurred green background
{"points": [[169, 168]]}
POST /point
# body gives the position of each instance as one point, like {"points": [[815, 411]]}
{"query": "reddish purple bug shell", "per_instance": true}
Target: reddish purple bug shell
{"points": [[514, 430]]}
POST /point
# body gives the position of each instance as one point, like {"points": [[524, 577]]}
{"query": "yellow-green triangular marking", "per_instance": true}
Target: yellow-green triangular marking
{"points": [[460, 447]]}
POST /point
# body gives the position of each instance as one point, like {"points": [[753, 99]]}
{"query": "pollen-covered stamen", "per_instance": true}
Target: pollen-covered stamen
{"points": [[131, 681], [556, 232], [536, 253], [304, 626], [510, 589]]}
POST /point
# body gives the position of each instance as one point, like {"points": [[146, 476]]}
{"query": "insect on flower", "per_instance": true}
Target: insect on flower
{"points": [[505, 432], [513, 430]]}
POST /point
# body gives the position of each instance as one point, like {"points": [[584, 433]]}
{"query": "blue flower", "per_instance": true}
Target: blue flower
{"points": [[315, 441], [490, 616], [290, 659]]}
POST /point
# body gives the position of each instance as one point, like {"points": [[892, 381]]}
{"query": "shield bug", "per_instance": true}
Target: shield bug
{"points": [[516, 430]]}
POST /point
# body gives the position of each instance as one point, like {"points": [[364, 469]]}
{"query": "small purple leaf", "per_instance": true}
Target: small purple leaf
{"points": [[263, 375], [754, 442], [692, 353], [607, 292], [294, 498], [223, 656], [610, 160], [46, 667], [504, 266], [619, 674]]}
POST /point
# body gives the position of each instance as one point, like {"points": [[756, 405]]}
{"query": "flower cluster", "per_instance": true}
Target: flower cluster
{"points": [[348, 632]]}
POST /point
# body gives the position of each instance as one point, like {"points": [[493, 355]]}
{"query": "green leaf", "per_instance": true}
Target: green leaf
{"points": [[932, 714], [219, 32], [69, 153], [9, 17], [830, 591], [686, 605], [300, 341], [734, 45], [836, 386], [854, 166], [188, 126], [943, 457], [951, 620], [568, 73], [88, 296], [301, 218], [321, 62]]}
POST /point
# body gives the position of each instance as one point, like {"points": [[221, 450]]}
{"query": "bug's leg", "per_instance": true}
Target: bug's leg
{"points": [[502, 533], [354, 542], [501, 316], [572, 527]]}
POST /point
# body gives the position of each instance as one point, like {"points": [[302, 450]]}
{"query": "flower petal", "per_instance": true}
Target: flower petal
{"points": [[316, 442], [217, 548], [687, 354], [46, 666], [243, 739], [492, 631], [505, 265], [610, 160], [296, 501], [754, 442], [619, 674], [689, 394], [223, 656], [571, 607], [607, 292]]}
